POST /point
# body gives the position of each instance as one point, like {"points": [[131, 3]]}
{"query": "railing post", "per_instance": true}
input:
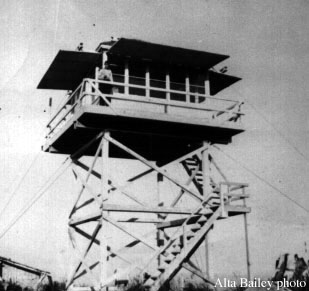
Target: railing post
{"points": [[96, 84], [126, 77], [207, 85], [147, 82], [168, 88], [187, 89]]}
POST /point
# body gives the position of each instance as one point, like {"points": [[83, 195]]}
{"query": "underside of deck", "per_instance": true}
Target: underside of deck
{"points": [[157, 136]]}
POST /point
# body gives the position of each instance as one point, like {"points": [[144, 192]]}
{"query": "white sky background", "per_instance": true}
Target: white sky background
{"points": [[268, 44]]}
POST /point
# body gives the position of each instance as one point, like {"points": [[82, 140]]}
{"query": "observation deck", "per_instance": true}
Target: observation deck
{"points": [[161, 101]]}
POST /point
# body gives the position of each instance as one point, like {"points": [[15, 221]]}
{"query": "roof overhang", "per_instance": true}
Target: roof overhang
{"points": [[163, 54], [69, 68]]}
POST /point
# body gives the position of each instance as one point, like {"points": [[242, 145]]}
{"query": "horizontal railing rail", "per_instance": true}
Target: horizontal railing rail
{"points": [[63, 106], [91, 88], [159, 80]]}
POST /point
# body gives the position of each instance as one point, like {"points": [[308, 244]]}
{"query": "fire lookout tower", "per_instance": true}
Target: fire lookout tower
{"points": [[158, 105]]}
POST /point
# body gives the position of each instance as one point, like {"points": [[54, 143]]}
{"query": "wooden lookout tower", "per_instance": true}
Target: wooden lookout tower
{"points": [[160, 106]]}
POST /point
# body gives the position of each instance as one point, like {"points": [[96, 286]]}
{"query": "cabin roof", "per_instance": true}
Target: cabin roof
{"points": [[69, 67], [164, 54]]}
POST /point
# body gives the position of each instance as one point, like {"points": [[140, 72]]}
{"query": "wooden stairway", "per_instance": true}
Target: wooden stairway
{"points": [[191, 231]]}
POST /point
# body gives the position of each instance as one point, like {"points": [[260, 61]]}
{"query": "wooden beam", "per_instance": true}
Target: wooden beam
{"points": [[130, 233], [80, 151], [89, 172], [97, 242], [197, 273], [22, 267], [104, 192], [150, 209], [177, 222], [86, 186], [83, 254], [157, 169], [84, 219], [139, 220], [84, 272], [231, 209], [81, 257]]}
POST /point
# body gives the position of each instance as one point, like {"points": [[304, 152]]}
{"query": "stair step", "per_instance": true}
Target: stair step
{"points": [[176, 250], [190, 235], [148, 282], [179, 242], [202, 220], [162, 267], [206, 212], [195, 227], [119, 282], [168, 259], [191, 161], [155, 275]]}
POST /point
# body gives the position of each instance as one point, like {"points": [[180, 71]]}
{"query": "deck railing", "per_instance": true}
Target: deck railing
{"points": [[128, 96]]}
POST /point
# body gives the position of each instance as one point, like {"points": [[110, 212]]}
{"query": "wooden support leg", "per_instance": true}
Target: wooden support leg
{"points": [[104, 187], [206, 190], [160, 234], [247, 241]]}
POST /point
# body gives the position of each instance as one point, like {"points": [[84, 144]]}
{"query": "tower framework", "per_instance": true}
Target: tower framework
{"points": [[166, 118]]}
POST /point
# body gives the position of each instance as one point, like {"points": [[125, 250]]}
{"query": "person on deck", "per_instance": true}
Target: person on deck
{"points": [[105, 74]]}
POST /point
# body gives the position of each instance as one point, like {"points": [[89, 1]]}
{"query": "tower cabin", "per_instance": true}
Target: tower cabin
{"points": [[159, 100]]}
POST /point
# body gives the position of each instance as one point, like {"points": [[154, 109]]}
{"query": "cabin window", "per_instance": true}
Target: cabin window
{"points": [[118, 76], [137, 73], [178, 83], [197, 87], [157, 80]]}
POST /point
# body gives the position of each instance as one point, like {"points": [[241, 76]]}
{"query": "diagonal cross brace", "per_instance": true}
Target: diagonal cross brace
{"points": [[156, 168]]}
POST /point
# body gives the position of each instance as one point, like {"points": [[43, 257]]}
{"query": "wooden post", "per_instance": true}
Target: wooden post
{"points": [[206, 192], [104, 189], [96, 84], [147, 79], [207, 85], [187, 89], [160, 235], [126, 77], [247, 240], [168, 87], [104, 58]]}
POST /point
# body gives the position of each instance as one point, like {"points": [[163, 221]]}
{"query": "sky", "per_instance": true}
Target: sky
{"points": [[268, 44]]}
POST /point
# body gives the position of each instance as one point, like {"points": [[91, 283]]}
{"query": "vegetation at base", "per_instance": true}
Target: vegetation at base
{"points": [[14, 286], [134, 285]]}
